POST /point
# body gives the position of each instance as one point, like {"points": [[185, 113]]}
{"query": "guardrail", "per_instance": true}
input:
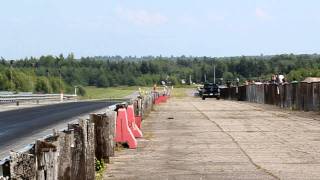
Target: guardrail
{"points": [[31, 97]]}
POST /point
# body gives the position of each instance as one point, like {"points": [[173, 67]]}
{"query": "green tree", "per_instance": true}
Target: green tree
{"points": [[43, 85], [228, 76]]}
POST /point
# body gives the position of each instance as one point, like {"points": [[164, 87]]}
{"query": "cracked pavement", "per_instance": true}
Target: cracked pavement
{"points": [[214, 139]]}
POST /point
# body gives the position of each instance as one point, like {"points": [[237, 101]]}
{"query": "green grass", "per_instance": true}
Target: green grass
{"points": [[100, 168], [179, 92], [112, 92], [122, 91]]}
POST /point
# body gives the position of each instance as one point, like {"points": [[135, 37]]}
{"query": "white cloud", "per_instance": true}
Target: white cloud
{"points": [[261, 13], [142, 17]]}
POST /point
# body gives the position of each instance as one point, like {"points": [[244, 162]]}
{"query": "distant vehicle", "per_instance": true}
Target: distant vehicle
{"points": [[210, 90]]}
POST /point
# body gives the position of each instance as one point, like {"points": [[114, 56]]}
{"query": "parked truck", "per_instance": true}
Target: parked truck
{"points": [[210, 90]]}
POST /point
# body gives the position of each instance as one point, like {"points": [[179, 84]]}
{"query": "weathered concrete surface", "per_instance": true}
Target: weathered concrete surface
{"points": [[222, 140]]}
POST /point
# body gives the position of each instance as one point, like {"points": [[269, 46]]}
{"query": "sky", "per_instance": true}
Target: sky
{"points": [[213, 28]]}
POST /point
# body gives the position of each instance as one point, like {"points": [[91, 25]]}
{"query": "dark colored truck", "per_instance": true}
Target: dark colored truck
{"points": [[210, 90]]}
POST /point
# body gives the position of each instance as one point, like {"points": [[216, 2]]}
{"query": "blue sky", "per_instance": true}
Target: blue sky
{"points": [[163, 27]]}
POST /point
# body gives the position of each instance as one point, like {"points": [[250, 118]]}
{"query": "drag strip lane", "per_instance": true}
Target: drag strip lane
{"points": [[20, 123]]}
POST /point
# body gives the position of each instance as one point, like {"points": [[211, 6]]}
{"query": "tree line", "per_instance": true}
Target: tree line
{"points": [[52, 74]]}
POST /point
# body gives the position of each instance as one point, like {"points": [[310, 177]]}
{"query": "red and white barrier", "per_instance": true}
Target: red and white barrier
{"points": [[128, 125], [123, 131], [132, 122], [138, 121], [161, 99]]}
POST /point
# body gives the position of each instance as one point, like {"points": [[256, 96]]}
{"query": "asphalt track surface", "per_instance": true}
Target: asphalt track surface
{"points": [[16, 124]]}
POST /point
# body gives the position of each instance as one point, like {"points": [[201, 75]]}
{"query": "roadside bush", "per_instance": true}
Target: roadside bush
{"points": [[22, 82], [55, 84], [4, 82], [43, 85], [81, 91]]}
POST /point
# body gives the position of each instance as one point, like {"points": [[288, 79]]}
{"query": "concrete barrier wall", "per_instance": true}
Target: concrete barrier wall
{"points": [[71, 154], [297, 96]]}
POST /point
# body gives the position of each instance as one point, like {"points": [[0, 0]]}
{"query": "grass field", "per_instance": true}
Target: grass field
{"points": [[180, 92], [112, 92], [122, 91]]}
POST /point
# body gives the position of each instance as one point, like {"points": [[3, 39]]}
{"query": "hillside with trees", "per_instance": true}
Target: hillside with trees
{"points": [[50, 74]]}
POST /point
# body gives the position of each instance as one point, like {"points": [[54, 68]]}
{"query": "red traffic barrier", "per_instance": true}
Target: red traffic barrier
{"points": [[132, 122], [157, 101], [161, 99], [123, 131], [138, 121]]}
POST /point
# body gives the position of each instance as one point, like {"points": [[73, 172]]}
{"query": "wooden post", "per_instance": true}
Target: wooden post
{"points": [[22, 166], [47, 160], [83, 159], [65, 142], [101, 139], [78, 162], [140, 106], [90, 148], [111, 116], [104, 135]]}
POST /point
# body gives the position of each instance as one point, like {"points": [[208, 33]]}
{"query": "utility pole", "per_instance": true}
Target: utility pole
{"points": [[48, 82], [11, 77], [205, 77], [60, 86], [60, 82], [32, 83], [214, 74]]}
